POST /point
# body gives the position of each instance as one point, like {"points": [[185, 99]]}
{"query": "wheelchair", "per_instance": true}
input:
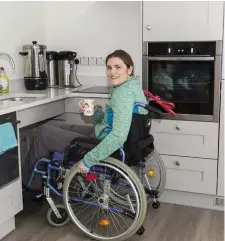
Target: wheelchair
{"points": [[110, 202]]}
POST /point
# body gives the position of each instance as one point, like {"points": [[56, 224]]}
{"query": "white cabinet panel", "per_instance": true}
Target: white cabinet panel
{"points": [[190, 174], [182, 20], [220, 188], [40, 113], [186, 138], [11, 201]]}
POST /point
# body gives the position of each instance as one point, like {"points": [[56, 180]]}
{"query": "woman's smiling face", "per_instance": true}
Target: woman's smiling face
{"points": [[117, 71]]}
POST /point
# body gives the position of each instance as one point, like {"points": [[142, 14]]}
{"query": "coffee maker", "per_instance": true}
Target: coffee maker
{"points": [[35, 66], [66, 68]]}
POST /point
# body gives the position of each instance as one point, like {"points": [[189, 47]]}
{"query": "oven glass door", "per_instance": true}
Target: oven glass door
{"points": [[188, 84]]}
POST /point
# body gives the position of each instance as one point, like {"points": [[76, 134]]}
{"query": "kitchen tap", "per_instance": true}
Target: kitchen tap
{"points": [[11, 59]]}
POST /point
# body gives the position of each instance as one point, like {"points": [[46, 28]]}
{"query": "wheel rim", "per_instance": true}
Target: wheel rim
{"points": [[96, 225]]}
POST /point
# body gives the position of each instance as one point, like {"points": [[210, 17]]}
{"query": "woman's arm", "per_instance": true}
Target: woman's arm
{"points": [[122, 106]]}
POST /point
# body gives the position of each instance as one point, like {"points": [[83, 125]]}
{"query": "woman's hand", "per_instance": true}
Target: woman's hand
{"points": [[96, 107], [82, 168]]}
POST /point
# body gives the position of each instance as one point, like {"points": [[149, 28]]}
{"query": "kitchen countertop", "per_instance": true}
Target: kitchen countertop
{"points": [[40, 97]]}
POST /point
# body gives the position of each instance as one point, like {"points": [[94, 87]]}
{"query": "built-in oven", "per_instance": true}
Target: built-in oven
{"points": [[187, 74]]}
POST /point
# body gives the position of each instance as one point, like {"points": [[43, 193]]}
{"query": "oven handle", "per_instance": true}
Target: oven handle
{"points": [[197, 58]]}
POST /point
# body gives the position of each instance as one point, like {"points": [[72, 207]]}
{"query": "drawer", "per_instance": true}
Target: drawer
{"points": [[190, 174], [186, 138], [11, 201], [40, 113], [72, 104]]}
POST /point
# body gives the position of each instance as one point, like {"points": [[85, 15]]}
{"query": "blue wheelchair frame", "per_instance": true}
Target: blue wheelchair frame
{"points": [[58, 168]]}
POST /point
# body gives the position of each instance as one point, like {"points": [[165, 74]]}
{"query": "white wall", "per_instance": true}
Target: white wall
{"points": [[21, 23], [93, 29]]}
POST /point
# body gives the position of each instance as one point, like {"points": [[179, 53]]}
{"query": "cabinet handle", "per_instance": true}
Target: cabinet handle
{"points": [[177, 163], [148, 27], [18, 122], [178, 127]]}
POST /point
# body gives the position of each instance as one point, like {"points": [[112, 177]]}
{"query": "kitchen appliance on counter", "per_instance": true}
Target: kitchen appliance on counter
{"points": [[67, 68], [35, 67], [187, 74], [52, 68]]}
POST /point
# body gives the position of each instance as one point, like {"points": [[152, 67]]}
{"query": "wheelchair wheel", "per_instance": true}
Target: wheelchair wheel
{"points": [[94, 211], [156, 173], [54, 220]]}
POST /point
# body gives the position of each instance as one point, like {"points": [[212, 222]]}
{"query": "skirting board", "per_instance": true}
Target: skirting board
{"points": [[190, 199], [7, 227]]}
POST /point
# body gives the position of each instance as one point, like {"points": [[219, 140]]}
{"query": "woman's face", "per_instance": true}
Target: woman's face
{"points": [[117, 71]]}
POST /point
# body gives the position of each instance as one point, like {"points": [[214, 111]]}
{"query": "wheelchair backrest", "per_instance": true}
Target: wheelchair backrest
{"points": [[139, 139]]}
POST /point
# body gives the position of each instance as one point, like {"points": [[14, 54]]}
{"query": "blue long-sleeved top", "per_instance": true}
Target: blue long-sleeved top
{"points": [[112, 127]]}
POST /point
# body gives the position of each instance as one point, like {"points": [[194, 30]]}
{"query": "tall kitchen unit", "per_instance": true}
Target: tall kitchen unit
{"points": [[220, 187]]}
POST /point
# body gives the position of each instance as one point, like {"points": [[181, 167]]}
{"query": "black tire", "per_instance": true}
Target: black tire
{"points": [[156, 204]]}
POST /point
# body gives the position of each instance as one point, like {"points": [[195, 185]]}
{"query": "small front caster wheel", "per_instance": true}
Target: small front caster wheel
{"points": [[156, 204], [141, 230], [54, 220]]}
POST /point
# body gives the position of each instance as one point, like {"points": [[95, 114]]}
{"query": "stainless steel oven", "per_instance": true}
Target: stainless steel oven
{"points": [[187, 74]]}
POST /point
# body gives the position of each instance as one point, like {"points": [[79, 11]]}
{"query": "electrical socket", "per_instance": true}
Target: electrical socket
{"points": [[84, 60], [92, 61], [100, 61]]}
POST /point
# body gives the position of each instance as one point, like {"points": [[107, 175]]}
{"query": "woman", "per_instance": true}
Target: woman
{"points": [[112, 127]]}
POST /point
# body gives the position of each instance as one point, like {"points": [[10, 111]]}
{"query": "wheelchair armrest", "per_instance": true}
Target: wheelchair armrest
{"points": [[146, 142]]}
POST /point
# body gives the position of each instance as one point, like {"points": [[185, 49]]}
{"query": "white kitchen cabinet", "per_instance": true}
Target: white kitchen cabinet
{"points": [[182, 20], [186, 138], [220, 187], [190, 174], [39, 113], [11, 201]]}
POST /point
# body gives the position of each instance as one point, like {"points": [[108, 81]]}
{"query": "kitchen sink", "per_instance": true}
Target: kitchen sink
{"points": [[19, 98]]}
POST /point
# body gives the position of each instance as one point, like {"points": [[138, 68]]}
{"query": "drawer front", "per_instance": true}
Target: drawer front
{"points": [[186, 138], [40, 113], [11, 201], [190, 174], [72, 104]]}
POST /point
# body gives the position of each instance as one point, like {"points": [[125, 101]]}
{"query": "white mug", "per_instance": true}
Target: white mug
{"points": [[87, 106]]}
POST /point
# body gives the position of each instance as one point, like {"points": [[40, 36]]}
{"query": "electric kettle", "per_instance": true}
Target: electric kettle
{"points": [[35, 66]]}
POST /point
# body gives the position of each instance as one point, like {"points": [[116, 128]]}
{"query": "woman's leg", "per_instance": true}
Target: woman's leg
{"points": [[47, 139]]}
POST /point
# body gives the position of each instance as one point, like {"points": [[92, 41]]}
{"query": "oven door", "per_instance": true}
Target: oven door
{"points": [[191, 83]]}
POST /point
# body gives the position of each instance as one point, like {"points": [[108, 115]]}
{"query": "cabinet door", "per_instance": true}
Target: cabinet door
{"points": [[187, 174], [220, 188], [186, 138], [182, 21]]}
